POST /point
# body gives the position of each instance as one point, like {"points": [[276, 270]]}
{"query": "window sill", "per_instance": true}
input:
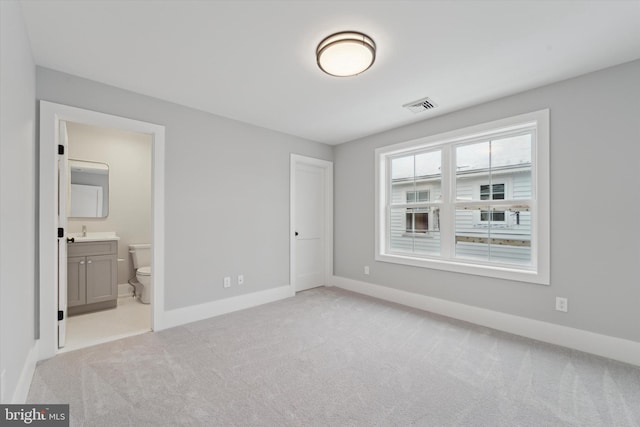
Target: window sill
{"points": [[523, 274]]}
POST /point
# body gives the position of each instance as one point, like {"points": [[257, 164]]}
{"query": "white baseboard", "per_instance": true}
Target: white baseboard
{"points": [[26, 375], [194, 313], [602, 345]]}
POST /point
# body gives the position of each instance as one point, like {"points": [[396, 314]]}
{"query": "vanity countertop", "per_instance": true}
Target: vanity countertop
{"points": [[97, 236]]}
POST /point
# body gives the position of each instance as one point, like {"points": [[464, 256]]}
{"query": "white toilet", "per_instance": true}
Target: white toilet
{"points": [[141, 255]]}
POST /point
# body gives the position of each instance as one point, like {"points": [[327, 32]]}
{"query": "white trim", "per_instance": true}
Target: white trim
{"points": [[590, 342], [539, 272], [181, 316], [327, 165], [50, 116], [26, 376]]}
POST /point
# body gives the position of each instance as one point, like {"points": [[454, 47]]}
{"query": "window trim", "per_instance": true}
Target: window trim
{"points": [[539, 271]]}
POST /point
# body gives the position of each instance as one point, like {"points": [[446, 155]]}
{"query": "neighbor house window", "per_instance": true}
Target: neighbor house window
{"points": [[474, 200], [492, 192], [417, 219]]}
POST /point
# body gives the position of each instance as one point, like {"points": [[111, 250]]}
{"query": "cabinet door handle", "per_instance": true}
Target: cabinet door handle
{"points": [[89, 262], [81, 262]]}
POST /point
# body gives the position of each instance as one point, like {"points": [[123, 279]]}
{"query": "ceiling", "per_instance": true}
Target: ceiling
{"points": [[254, 61]]}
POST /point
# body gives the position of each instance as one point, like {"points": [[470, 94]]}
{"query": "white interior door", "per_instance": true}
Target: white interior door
{"points": [[309, 222], [63, 177]]}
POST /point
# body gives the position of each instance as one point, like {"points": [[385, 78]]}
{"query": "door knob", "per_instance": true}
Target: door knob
{"points": [[296, 233], [89, 262]]}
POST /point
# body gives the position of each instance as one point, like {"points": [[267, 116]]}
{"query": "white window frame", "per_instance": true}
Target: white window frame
{"points": [[539, 204]]}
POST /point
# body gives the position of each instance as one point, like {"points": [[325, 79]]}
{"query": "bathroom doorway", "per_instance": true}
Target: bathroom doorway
{"points": [[52, 116], [108, 197]]}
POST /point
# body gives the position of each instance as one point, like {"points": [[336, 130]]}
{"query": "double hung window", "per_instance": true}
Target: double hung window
{"points": [[474, 201]]}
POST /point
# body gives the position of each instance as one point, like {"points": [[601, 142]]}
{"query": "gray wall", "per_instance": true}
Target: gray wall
{"points": [[128, 155], [226, 190], [17, 200], [595, 240]]}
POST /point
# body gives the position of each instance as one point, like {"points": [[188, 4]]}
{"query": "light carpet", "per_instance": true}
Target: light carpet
{"points": [[329, 357]]}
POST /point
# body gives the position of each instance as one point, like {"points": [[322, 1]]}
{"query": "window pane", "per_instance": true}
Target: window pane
{"points": [[492, 192], [494, 241], [409, 222], [497, 192], [472, 169], [496, 161], [473, 157], [421, 222], [511, 157], [402, 179], [512, 151], [423, 196], [400, 221], [495, 216], [402, 167], [485, 192], [428, 176], [416, 178], [428, 243], [415, 231], [470, 236], [417, 196], [428, 164], [417, 220]]}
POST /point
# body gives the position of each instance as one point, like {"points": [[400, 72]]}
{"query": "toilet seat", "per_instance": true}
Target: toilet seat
{"points": [[144, 271]]}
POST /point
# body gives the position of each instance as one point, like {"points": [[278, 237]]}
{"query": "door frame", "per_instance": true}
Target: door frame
{"points": [[50, 116], [297, 159], [63, 254]]}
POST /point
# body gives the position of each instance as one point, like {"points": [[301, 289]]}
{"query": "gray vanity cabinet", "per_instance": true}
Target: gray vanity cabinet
{"points": [[92, 276], [76, 281]]}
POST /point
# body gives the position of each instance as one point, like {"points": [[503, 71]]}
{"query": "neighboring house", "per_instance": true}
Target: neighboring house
{"points": [[501, 234]]}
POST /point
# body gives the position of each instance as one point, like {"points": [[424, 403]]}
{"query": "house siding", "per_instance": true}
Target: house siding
{"points": [[467, 222]]}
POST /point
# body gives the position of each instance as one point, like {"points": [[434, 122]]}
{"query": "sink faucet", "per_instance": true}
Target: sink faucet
{"points": [[84, 231]]}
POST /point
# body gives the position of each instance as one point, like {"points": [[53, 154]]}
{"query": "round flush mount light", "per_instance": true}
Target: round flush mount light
{"points": [[347, 53]]}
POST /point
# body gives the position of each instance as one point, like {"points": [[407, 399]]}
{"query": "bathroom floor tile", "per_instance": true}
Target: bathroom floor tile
{"points": [[130, 317]]}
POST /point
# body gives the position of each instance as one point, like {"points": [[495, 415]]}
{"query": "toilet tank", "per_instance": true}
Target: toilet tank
{"points": [[141, 255]]}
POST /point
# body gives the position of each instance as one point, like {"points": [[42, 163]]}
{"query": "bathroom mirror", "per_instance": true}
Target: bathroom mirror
{"points": [[88, 189]]}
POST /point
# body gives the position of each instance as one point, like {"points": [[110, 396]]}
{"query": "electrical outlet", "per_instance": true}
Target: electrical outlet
{"points": [[240, 279], [366, 270], [562, 304], [227, 282]]}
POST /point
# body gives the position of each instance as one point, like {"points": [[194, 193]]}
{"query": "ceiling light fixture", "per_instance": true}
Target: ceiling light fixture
{"points": [[345, 54]]}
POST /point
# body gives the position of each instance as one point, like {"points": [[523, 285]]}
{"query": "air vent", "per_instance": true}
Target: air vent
{"points": [[420, 105]]}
